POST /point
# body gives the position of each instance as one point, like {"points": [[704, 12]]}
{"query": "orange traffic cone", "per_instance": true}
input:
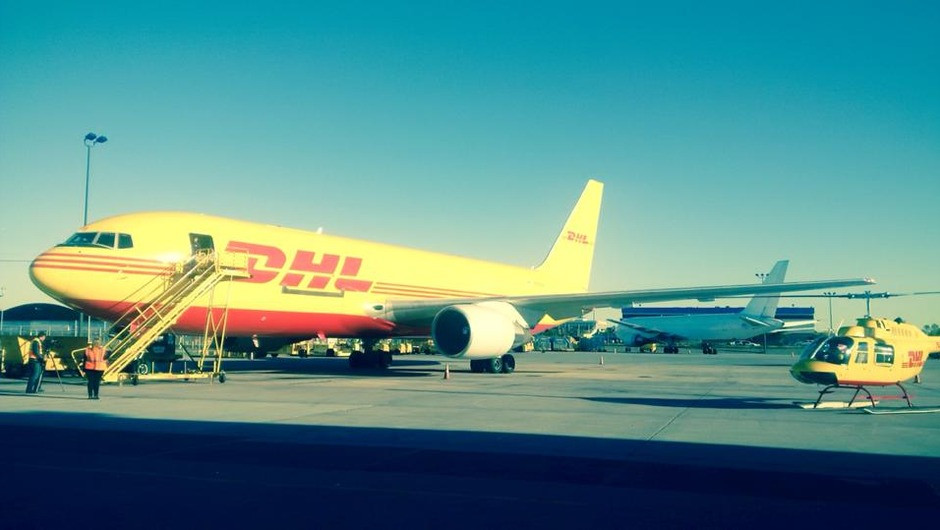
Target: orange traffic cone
{"points": [[446, 371]]}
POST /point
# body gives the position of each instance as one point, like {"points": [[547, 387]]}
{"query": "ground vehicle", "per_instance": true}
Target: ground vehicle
{"points": [[15, 354], [545, 343]]}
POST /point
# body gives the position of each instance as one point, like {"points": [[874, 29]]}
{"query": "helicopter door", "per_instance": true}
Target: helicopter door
{"points": [[861, 361]]}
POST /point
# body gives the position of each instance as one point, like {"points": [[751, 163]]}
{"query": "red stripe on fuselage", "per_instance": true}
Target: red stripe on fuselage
{"points": [[148, 272], [92, 256], [243, 322], [445, 293], [410, 294]]}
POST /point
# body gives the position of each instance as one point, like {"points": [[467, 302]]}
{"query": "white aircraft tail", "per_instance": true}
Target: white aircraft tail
{"points": [[568, 265], [766, 306]]}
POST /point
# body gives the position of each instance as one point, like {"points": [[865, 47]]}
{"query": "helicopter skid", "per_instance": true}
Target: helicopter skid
{"points": [[859, 389], [834, 405], [907, 410]]}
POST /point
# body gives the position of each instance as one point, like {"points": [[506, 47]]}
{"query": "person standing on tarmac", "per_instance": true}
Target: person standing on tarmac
{"points": [[95, 364], [36, 363]]}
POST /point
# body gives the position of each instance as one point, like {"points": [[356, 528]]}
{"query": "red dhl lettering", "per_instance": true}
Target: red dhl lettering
{"points": [[308, 269], [577, 238], [915, 359]]}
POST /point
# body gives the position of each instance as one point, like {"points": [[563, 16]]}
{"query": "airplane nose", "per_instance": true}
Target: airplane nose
{"points": [[47, 274]]}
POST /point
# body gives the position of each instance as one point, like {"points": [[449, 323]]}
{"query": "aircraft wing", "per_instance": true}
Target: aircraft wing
{"points": [[643, 329], [650, 333], [762, 323], [796, 325], [563, 306]]}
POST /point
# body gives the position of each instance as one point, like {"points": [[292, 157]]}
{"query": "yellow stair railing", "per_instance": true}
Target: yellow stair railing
{"points": [[178, 291]]}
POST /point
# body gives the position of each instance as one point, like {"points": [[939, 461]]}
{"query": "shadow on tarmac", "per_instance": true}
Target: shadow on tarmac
{"points": [[337, 366], [186, 474], [699, 403]]}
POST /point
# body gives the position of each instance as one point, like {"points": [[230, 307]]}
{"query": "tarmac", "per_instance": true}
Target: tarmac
{"points": [[600, 440]]}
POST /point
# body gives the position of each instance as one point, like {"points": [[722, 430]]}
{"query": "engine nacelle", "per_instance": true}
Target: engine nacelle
{"points": [[478, 331]]}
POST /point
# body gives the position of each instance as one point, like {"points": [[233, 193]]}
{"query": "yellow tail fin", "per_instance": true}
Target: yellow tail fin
{"points": [[568, 265]]}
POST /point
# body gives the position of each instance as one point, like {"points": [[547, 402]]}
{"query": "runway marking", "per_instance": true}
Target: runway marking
{"points": [[677, 416]]}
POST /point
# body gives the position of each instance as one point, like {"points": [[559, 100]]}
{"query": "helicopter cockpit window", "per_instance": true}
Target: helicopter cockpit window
{"points": [[835, 350], [809, 351]]}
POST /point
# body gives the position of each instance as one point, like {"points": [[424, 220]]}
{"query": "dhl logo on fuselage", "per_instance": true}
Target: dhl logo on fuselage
{"points": [[307, 270]]}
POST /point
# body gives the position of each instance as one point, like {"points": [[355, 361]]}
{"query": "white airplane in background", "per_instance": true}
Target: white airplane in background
{"points": [[756, 319]]}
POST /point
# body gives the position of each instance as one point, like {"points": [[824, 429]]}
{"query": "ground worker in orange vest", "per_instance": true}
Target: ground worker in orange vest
{"points": [[95, 365], [37, 361]]}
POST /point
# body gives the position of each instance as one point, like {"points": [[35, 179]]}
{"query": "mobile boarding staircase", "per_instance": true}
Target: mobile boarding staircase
{"points": [[170, 295]]}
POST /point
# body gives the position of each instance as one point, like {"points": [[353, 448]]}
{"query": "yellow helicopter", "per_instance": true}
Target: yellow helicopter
{"points": [[873, 352]]}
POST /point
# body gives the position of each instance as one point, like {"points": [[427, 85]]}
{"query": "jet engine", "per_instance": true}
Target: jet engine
{"points": [[478, 331]]}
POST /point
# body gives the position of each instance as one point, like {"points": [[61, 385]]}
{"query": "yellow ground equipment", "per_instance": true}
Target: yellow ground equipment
{"points": [[14, 354]]}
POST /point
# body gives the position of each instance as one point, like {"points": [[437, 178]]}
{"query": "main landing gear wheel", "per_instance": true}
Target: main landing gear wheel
{"points": [[494, 365], [509, 363], [383, 359], [370, 359], [497, 365]]}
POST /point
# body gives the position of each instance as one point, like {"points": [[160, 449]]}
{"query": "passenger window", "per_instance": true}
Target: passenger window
{"points": [[884, 354], [862, 356], [125, 241], [105, 239]]}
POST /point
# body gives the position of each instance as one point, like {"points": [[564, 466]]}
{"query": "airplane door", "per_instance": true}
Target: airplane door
{"points": [[201, 243]]}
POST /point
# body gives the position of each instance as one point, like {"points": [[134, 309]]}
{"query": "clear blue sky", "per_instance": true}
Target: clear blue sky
{"points": [[729, 134]]}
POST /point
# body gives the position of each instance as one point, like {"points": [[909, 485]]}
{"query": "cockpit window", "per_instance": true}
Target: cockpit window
{"points": [[835, 350], [99, 239], [81, 239], [810, 350], [105, 239]]}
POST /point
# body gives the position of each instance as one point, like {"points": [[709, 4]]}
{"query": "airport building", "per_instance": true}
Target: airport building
{"points": [[56, 320]]}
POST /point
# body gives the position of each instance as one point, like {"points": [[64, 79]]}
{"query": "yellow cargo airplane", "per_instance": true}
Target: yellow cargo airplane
{"points": [[302, 284]]}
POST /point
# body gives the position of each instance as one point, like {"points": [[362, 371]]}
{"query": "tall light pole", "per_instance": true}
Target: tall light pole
{"points": [[829, 295], [90, 140]]}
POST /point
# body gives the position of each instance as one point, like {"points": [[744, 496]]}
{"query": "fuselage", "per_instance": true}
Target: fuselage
{"points": [[698, 327], [300, 283], [875, 352]]}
